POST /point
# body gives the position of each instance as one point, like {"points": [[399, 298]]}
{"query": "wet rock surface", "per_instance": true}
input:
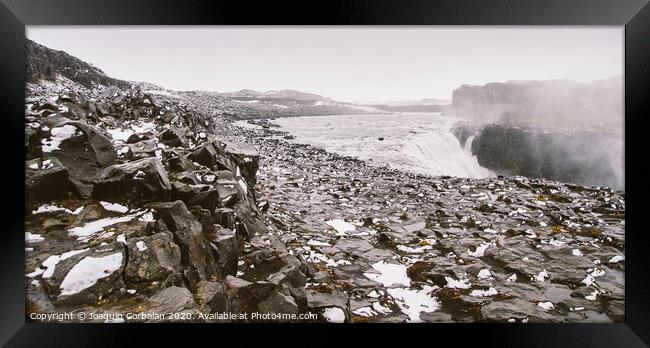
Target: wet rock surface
{"points": [[178, 211]]}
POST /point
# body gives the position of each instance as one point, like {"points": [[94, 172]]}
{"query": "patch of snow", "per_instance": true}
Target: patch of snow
{"points": [[59, 134], [88, 271], [541, 276], [317, 243], [341, 226], [93, 227], [616, 259], [414, 302], [484, 274], [33, 238], [334, 315], [364, 312], [576, 252], [114, 207], [141, 246], [417, 250], [120, 134], [546, 305], [457, 284], [480, 250], [484, 293], [389, 274]]}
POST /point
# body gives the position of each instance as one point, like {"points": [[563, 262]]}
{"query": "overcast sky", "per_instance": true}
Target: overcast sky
{"points": [[344, 63]]}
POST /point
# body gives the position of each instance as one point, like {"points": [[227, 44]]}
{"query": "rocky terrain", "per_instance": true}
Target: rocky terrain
{"points": [[562, 155], [153, 207]]}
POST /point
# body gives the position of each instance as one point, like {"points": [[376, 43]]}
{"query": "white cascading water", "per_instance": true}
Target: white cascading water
{"points": [[416, 142]]}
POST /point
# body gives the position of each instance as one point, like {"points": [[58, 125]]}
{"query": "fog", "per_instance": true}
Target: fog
{"points": [[573, 130]]}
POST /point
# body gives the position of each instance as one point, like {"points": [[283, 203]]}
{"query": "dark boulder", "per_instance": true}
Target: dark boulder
{"points": [[87, 277], [151, 259], [197, 259], [241, 156], [226, 248], [46, 180], [173, 137], [139, 181]]}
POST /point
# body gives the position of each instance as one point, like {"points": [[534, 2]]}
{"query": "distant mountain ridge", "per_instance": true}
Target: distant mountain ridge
{"points": [[281, 94]]}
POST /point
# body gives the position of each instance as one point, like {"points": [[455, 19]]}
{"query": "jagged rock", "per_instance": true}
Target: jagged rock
{"points": [[201, 195], [212, 295], [316, 299], [151, 259], [173, 299], [227, 186], [243, 156], [195, 253], [224, 217], [137, 137], [173, 137], [249, 222], [81, 145], [81, 149], [245, 296], [139, 181], [46, 180], [143, 149], [207, 156], [279, 303], [516, 308], [87, 277], [226, 246]]}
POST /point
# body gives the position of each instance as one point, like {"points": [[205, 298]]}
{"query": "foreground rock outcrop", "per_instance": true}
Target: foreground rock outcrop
{"points": [[135, 209]]}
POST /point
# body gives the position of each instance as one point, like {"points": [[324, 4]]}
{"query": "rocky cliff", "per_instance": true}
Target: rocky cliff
{"points": [[584, 157], [594, 105]]}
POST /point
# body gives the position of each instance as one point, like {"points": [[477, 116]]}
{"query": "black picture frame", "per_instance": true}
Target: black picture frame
{"points": [[633, 14]]}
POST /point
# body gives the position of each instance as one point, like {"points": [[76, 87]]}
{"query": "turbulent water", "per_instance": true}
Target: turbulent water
{"points": [[417, 142]]}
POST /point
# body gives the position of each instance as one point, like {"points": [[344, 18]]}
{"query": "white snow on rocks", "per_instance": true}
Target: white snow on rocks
{"points": [[576, 252], [480, 250], [50, 264], [484, 274], [334, 315], [616, 259], [88, 271], [389, 274], [417, 250], [33, 238], [51, 208], [317, 243], [457, 284], [484, 293], [341, 226], [414, 302], [546, 305], [141, 246], [93, 227], [114, 207], [59, 134], [541, 276]]}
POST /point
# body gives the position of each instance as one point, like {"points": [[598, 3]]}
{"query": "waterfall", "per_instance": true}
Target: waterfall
{"points": [[468, 144]]}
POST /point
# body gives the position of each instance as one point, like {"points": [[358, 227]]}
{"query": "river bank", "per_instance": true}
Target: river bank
{"points": [[405, 247]]}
